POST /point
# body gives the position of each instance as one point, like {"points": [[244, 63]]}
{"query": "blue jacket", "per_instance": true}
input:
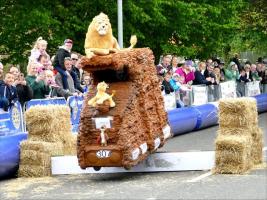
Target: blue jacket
{"points": [[8, 95]]}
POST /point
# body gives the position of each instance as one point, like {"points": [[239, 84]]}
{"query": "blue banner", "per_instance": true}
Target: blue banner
{"points": [[75, 103], [12, 121]]}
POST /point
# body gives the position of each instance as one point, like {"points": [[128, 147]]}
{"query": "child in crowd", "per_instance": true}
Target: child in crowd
{"points": [[243, 76], [63, 52], [87, 83], [39, 49], [8, 93], [176, 84], [166, 85]]}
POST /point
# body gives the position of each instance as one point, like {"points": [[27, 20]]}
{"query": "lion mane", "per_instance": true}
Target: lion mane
{"points": [[99, 38]]}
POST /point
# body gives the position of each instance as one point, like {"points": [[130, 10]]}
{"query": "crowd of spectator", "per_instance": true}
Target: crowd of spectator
{"points": [[178, 74], [62, 76], [58, 76]]}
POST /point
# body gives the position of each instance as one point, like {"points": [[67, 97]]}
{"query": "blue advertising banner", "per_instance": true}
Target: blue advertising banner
{"points": [[12, 121], [75, 103]]}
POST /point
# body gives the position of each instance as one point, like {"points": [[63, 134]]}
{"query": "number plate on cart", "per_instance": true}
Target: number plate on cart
{"points": [[103, 153]]}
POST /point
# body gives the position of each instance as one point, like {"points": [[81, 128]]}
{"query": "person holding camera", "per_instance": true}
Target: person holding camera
{"points": [[36, 81]]}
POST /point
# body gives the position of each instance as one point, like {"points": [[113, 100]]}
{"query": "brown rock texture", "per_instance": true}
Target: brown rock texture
{"points": [[138, 117]]}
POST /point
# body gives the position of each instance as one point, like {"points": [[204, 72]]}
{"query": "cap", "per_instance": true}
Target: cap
{"points": [[68, 41]]}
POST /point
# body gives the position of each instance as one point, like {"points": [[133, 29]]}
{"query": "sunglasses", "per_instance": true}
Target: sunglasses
{"points": [[74, 59]]}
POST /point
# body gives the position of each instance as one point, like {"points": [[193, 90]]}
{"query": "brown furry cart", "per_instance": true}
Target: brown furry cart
{"points": [[138, 121]]}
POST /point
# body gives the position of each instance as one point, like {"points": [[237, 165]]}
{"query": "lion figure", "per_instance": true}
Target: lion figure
{"points": [[99, 38], [101, 96]]}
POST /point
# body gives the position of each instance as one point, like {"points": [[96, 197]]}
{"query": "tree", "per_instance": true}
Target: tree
{"points": [[195, 28]]}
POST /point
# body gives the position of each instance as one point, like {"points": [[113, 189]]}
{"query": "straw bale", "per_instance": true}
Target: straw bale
{"points": [[235, 120], [70, 144], [34, 171], [232, 154], [241, 112], [54, 149], [48, 119], [238, 105], [235, 131], [257, 146], [32, 157]]}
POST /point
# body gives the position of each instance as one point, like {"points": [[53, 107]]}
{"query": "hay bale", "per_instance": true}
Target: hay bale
{"points": [[32, 157], [257, 146], [53, 149], [34, 171], [232, 154], [70, 144], [234, 131], [46, 121], [240, 112]]}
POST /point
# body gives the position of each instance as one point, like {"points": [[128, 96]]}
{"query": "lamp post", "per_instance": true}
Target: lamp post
{"points": [[120, 25]]}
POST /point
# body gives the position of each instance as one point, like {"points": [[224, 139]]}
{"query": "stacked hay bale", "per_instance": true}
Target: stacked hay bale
{"points": [[239, 140], [49, 129]]}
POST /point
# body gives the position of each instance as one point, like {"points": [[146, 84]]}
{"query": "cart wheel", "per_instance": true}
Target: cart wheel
{"points": [[127, 167], [97, 168]]}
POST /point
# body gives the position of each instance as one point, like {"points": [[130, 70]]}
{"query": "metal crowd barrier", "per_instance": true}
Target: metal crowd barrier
{"points": [[202, 94]]}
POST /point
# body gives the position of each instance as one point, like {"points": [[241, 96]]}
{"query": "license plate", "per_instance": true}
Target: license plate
{"points": [[103, 153]]}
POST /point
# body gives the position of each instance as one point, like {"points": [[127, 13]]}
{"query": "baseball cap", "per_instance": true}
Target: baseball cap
{"points": [[68, 41]]}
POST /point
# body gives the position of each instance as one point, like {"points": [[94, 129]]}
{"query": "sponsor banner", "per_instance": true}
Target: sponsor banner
{"points": [[200, 95], [228, 89], [75, 103], [252, 88]]}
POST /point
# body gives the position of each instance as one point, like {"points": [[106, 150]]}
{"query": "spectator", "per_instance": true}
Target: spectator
{"points": [[222, 71], [235, 59], [8, 93], [75, 72], [70, 91], [176, 85], [43, 60], [38, 49], [24, 91], [87, 83], [1, 71], [174, 63], [164, 67], [15, 71], [62, 53], [243, 76], [186, 71], [209, 73], [166, 86], [232, 73], [36, 81], [199, 75], [248, 72], [254, 74], [217, 73]]}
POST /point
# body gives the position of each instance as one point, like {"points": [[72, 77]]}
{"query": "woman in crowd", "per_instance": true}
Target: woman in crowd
{"points": [[36, 81]]}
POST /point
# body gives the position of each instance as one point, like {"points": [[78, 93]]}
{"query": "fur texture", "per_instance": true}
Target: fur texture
{"points": [[99, 38]]}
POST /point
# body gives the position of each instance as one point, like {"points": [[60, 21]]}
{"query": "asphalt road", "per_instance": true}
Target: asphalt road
{"points": [[162, 185]]}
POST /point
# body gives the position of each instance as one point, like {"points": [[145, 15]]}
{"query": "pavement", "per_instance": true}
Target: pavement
{"points": [[159, 185]]}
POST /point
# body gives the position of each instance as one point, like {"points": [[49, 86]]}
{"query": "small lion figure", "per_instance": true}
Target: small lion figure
{"points": [[99, 38], [101, 96]]}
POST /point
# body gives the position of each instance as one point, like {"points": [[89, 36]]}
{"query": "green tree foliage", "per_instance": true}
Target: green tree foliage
{"points": [[193, 28]]}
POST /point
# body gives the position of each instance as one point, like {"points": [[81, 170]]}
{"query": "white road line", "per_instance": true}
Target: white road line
{"points": [[199, 177]]}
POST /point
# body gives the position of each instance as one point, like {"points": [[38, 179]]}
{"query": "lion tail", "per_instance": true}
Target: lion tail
{"points": [[133, 41]]}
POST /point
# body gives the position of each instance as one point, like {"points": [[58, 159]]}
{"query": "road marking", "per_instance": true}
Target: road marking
{"points": [[199, 177]]}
